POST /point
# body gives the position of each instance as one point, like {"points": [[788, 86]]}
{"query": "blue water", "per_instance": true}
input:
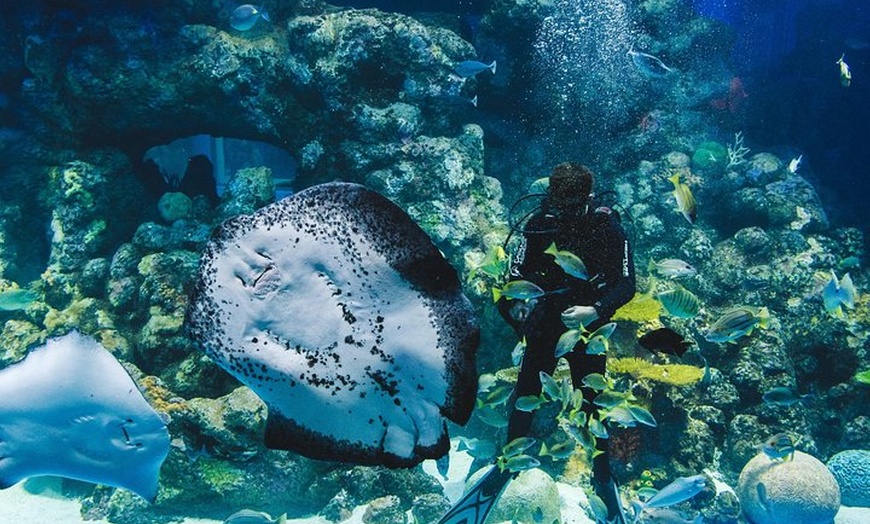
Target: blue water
{"points": [[785, 51]]}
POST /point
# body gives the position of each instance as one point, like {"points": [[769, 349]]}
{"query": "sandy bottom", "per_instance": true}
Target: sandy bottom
{"points": [[21, 506], [42, 503]]}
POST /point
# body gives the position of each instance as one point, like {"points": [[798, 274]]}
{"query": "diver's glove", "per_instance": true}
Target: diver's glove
{"points": [[577, 316]]}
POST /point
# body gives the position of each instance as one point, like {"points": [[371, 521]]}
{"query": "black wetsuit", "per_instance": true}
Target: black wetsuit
{"points": [[597, 237]]}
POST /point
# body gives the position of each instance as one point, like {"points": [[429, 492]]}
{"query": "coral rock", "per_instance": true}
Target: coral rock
{"points": [[851, 468], [798, 491]]}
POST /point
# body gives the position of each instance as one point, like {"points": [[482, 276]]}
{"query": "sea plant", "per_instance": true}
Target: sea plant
{"points": [[641, 309], [737, 151], [644, 370]]}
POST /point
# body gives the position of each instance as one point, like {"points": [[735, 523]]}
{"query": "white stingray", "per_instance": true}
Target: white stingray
{"points": [[340, 313], [70, 409]]}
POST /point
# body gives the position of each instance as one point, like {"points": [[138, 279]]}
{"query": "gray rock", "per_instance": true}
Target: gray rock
{"points": [[385, 510], [173, 206], [531, 490]]}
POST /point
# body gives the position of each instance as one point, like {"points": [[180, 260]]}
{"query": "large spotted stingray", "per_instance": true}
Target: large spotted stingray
{"points": [[70, 409], [339, 312]]}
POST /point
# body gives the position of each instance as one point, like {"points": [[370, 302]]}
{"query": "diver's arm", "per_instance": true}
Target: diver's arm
{"points": [[621, 282], [528, 264]]}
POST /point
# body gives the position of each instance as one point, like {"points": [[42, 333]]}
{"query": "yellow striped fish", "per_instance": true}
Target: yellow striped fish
{"points": [[680, 302], [684, 197]]}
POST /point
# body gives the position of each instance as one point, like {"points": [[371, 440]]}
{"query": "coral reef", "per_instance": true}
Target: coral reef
{"points": [[670, 374], [371, 97], [851, 468]]}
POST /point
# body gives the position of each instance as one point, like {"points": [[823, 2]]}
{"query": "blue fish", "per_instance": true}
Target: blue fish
{"points": [[470, 68], [784, 396], [677, 491], [837, 294], [245, 16]]}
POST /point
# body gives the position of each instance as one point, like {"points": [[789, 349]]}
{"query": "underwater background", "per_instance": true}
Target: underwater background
{"points": [[129, 131]]}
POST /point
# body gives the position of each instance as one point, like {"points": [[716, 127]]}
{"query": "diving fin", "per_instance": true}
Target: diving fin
{"points": [[474, 506]]}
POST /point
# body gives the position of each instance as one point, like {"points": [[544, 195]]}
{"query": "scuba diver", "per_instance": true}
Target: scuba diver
{"points": [[568, 218]]}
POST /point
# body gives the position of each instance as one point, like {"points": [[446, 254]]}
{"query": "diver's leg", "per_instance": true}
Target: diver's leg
{"points": [[581, 365], [602, 478], [539, 356]]}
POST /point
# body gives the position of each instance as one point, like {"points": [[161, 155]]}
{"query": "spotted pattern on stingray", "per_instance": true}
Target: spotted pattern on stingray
{"points": [[340, 313]]}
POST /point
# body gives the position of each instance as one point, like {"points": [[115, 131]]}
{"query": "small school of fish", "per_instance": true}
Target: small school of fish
{"points": [[513, 457], [596, 342]]}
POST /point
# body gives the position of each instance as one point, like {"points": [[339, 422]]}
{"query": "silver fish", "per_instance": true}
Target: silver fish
{"points": [[16, 299], [672, 268], [249, 516], [678, 491], [649, 65], [477, 448]]}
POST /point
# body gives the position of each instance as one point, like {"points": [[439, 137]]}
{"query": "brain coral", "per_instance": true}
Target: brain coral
{"points": [[797, 491], [851, 468]]}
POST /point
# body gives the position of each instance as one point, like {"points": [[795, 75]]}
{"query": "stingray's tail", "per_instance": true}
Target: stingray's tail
{"points": [[475, 505]]}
